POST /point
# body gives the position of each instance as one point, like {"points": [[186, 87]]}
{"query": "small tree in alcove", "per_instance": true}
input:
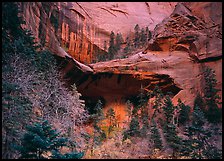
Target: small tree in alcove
{"points": [[129, 108], [111, 116]]}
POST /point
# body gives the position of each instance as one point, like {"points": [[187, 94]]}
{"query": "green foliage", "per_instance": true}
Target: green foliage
{"points": [[158, 100], [155, 136], [174, 141], [111, 116], [41, 138], [54, 19], [137, 36], [148, 33], [119, 41], [184, 112], [168, 109], [128, 45], [199, 102], [134, 127], [142, 101], [99, 135], [10, 20], [30, 79], [145, 122], [129, 106], [112, 49], [73, 155], [143, 36], [213, 113], [105, 45], [197, 146]]}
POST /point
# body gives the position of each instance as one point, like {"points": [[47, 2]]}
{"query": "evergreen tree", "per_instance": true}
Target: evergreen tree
{"points": [[41, 138], [111, 116], [197, 135], [119, 41], [142, 100], [184, 112], [199, 102], [213, 113], [137, 36], [134, 127], [143, 37], [129, 106], [148, 33], [128, 45], [99, 134], [168, 109], [10, 20], [158, 100], [198, 145], [112, 48], [173, 140], [155, 136], [145, 123], [105, 45]]}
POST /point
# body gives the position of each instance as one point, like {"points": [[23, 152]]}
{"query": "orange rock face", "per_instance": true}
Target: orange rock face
{"points": [[80, 28]]}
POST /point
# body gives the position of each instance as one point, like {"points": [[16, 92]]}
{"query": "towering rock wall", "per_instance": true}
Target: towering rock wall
{"points": [[80, 28]]}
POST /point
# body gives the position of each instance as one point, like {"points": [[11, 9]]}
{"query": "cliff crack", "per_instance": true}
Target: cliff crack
{"points": [[107, 11], [84, 10]]}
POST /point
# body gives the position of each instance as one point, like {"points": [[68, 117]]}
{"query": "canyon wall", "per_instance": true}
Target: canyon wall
{"points": [[80, 28], [186, 37]]}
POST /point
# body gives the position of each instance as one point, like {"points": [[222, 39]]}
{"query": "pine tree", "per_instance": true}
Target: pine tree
{"points": [[197, 135], [199, 102], [155, 136], [134, 127], [145, 123], [213, 113], [173, 140], [168, 109], [99, 133], [41, 138], [119, 41], [137, 36], [158, 100], [129, 107], [148, 33], [128, 45], [112, 49], [184, 112], [143, 37], [105, 45], [111, 116]]}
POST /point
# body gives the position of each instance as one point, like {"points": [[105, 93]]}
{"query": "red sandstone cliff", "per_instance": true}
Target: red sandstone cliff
{"points": [[186, 37], [80, 28]]}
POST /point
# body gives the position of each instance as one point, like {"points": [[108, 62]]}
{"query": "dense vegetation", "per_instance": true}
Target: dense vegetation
{"points": [[120, 48], [32, 88]]}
